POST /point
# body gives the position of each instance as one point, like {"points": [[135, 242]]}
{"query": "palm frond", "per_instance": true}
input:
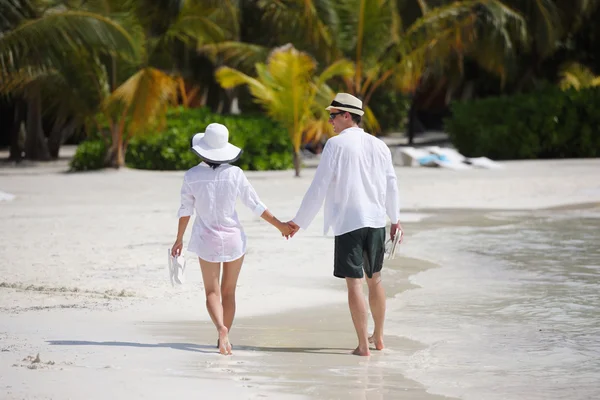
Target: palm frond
{"points": [[205, 23], [229, 78], [577, 76], [145, 97], [42, 43], [17, 81], [366, 28], [239, 55], [488, 31], [306, 23], [316, 129], [341, 68], [546, 25], [201, 29]]}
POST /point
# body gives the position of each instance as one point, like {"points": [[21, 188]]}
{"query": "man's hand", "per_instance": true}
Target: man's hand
{"points": [[396, 229], [177, 248], [294, 228], [285, 229]]}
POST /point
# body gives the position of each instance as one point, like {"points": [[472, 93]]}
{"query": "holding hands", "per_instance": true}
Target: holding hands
{"points": [[284, 229], [287, 229], [293, 228]]}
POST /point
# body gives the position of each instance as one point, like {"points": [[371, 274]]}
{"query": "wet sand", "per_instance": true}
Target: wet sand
{"points": [[307, 351]]}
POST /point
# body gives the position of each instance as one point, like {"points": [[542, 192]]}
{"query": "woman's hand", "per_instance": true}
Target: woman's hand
{"points": [[285, 229], [177, 248]]}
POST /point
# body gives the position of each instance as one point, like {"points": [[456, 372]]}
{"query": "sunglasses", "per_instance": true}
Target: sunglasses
{"points": [[333, 115]]}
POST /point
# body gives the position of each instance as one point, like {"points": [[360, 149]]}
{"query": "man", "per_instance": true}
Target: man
{"points": [[356, 178]]}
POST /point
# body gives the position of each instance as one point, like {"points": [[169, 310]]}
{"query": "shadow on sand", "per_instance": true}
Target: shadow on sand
{"points": [[207, 349]]}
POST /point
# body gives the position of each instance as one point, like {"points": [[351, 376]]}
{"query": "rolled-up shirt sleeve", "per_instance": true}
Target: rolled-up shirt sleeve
{"points": [[392, 201], [314, 197], [249, 197], [187, 201]]}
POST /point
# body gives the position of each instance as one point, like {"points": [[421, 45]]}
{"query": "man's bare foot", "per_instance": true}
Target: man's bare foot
{"points": [[224, 345], [377, 342], [361, 352]]}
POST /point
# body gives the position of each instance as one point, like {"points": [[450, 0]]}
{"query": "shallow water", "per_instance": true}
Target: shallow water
{"points": [[513, 312]]}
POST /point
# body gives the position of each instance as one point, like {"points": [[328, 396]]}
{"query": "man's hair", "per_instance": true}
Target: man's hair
{"points": [[356, 118]]}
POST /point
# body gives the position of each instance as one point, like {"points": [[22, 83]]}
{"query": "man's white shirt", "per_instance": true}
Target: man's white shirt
{"points": [[357, 180]]}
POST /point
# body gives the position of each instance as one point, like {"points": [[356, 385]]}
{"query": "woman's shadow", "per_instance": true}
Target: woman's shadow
{"points": [[198, 348]]}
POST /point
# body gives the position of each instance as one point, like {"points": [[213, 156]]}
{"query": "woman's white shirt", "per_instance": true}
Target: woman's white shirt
{"points": [[217, 234]]}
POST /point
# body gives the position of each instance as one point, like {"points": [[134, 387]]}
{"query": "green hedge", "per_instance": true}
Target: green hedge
{"points": [[549, 123], [90, 155], [266, 145], [391, 109]]}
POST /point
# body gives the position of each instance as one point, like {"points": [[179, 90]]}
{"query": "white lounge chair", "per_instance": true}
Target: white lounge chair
{"points": [[455, 156], [427, 158], [410, 156]]}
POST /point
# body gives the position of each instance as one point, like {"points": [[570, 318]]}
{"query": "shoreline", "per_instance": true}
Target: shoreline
{"points": [[316, 340]]}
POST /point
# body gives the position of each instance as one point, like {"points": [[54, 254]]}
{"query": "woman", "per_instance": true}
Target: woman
{"points": [[211, 189]]}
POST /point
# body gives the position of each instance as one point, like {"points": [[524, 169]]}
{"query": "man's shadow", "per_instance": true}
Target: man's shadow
{"points": [[206, 349]]}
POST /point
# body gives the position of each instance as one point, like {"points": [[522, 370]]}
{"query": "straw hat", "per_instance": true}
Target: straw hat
{"points": [[213, 145], [347, 102]]}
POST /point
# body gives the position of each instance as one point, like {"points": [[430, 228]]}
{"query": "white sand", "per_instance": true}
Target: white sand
{"points": [[84, 271]]}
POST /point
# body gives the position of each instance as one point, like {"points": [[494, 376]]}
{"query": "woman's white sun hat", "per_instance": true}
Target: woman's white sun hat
{"points": [[347, 102], [213, 145]]}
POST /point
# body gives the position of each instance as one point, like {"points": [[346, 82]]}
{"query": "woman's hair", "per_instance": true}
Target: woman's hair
{"points": [[212, 165]]}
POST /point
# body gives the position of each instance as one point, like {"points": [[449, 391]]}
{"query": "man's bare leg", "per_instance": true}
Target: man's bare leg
{"points": [[358, 310], [377, 304], [231, 272], [210, 277]]}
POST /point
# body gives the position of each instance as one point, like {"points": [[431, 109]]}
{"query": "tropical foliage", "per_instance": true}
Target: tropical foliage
{"points": [[169, 149], [290, 92], [549, 123]]}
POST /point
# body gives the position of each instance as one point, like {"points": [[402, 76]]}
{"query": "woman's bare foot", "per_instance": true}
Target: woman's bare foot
{"points": [[361, 352], [377, 342], [224, 345]]}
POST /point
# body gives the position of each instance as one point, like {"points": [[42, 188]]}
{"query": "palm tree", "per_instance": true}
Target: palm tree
{"points": [[371, 33], [40, 42], [551, 24], [140, 102], [287, 88]]}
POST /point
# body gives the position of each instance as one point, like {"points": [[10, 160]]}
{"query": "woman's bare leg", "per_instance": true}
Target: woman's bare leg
{"points": [[231, 272], [210, 277]]}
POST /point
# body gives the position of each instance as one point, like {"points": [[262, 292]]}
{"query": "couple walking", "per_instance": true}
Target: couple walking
{"points": [[356, 180]]}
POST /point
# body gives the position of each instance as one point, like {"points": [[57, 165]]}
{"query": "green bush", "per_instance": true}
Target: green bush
{"points": [[90, 155], [391, 110], [266, 145], [548, 123]]}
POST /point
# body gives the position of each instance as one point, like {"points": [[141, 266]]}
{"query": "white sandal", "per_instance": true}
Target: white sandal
{"points": [[176, 269]]}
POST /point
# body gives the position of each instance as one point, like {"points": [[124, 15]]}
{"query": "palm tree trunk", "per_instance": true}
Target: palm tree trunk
{"points": [[297, 162], [116, 156], [412, 115], [36, 147], [59, 134], [16, 152]]}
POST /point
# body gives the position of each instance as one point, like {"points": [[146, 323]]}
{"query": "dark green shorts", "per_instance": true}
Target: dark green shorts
{"points": [[358, 251]]}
